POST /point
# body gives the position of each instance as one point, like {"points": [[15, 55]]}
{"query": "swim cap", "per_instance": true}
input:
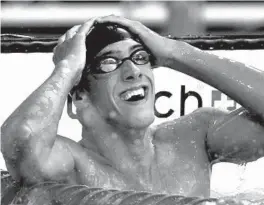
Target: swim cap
{"points": [[100, 37]]}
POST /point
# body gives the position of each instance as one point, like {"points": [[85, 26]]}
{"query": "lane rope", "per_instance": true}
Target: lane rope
{"points": [[14, 43]]}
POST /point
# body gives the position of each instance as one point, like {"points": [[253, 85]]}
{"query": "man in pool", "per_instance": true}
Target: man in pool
{"points": [[109, 73]]}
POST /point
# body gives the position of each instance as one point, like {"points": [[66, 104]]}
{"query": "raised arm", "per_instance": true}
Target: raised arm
{"points": [[241, 131], [29, 144], [237, 136], [242, 83]]}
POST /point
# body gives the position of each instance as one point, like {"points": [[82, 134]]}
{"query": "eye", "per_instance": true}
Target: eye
{"points": [[107, 65], [141, 57], [106, 68], [107, 61]]}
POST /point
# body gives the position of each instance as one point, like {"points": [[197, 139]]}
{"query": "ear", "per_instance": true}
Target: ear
{"points": [[69, 108], [80, 99]]}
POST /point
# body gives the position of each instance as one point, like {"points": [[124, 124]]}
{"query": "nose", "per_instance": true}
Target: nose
{"points": [[131, 72]]}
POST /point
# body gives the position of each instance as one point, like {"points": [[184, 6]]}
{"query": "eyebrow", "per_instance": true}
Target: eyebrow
{"points": [[135, 46], [132, 48]]}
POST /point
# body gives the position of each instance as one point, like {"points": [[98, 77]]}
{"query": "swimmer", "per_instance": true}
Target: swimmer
{"points": [[107, 67]]}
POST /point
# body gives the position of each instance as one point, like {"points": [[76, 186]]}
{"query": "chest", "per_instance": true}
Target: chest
{"points": [[180, 166], [180, 169], [172, 172]]}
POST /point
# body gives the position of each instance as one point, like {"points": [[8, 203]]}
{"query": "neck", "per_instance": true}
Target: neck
{"points": [[124, 148]]}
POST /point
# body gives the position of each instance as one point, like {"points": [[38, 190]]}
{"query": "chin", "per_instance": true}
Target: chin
{"points": [[139, 120]]}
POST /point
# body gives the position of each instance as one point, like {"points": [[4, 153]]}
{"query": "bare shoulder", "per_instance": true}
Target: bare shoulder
{"points": [[208, 113], [79, 152], [65, 141], [61, 163], [194, 124], [74, 149]]}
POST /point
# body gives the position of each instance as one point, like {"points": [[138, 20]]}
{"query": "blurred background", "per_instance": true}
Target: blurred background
{"points": [[175, 18]]}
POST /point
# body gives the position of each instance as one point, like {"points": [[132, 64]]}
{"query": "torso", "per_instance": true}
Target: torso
{"points": [[183, 160], [180, 166]]}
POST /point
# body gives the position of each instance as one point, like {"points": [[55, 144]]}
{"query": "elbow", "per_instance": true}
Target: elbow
{"points": [[13, 138], [15, 129]]}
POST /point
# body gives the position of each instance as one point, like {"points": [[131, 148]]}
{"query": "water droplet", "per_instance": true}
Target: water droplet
{"points": [[249, 86], [137, 142], [114, 135], [112, 114]]}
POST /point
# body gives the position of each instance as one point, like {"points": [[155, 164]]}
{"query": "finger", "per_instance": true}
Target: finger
{"points": [[70, 33], [61, 39], [54, 58], [53, 50], [86, 27], [132, 26]]}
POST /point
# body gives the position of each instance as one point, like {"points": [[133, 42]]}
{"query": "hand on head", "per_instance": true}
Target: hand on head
{"points": [[70, 56], [70, 51], [160, 47]]}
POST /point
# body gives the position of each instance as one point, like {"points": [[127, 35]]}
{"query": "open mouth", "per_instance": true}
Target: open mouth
{"points": [[134, 94]]}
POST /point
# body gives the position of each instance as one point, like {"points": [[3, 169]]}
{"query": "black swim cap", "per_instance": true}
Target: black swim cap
{"points": [[100, 37]]}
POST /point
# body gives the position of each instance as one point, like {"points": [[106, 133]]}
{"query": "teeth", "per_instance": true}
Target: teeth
{"points": [[128, 94]]}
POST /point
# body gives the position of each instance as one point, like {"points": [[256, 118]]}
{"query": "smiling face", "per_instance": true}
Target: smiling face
{"points": [[124, 96]]}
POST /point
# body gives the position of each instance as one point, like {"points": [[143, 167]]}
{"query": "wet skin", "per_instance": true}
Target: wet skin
{"points": [[180, 164], [119, 148], [175, 159], [171, 158]]}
